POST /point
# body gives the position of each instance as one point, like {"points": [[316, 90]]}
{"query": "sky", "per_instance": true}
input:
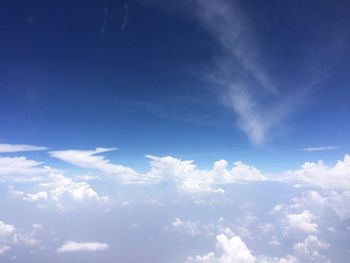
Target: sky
{"points": [[212, 131]]}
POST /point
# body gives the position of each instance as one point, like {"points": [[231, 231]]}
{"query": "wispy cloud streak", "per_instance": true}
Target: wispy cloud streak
{"points": [[7, 148], [248, 88], [126, 15], [319, 149]]}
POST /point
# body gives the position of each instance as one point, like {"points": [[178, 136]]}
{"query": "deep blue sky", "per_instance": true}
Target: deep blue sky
{"points": [[147, 89]]}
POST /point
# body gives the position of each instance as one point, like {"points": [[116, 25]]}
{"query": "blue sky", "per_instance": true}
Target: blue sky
{"points": [[192, 131]]}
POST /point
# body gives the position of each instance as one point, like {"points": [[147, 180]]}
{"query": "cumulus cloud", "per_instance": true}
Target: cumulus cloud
{"points": [[36, 197], [303, 222], [190, 178], [321, 176], [60, 191], [336, 201], [8, 148], [10, 236], [72, 246], [6, 230], [309, 249], [232, 250], [60, 186]]}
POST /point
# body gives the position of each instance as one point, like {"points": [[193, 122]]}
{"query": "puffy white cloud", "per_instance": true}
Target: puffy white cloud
{"points": [[60, 191], [60, 186], [6, 230], [26, 239], [233, 250], [192, 179], [10, 236], [338, 201], [321, 176], [7, 148], [36, 197], [309, 249], [302, 222], [71, 246]]}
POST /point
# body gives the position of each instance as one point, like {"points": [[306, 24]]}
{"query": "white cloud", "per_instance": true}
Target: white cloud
{"points": [[89, 159], [71, 246], [233, 250], [336, 201], [287, 259], [241, 74], [183, 173], [60, 185], [302, 222], [321, 176], [189, 178], [4, 249], [61, 191], [6, 230], [319, 149], [189, 227], [36, 197], [309, 249], [20, 169], [27, 239], [10, 236], [8, 148]]}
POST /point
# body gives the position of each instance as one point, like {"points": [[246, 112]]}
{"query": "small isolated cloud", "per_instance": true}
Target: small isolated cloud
{"points": [[303, 222], [8, 148], [319, 149], [72, 246], [4, 249], [232, 249], [6, 230]]}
